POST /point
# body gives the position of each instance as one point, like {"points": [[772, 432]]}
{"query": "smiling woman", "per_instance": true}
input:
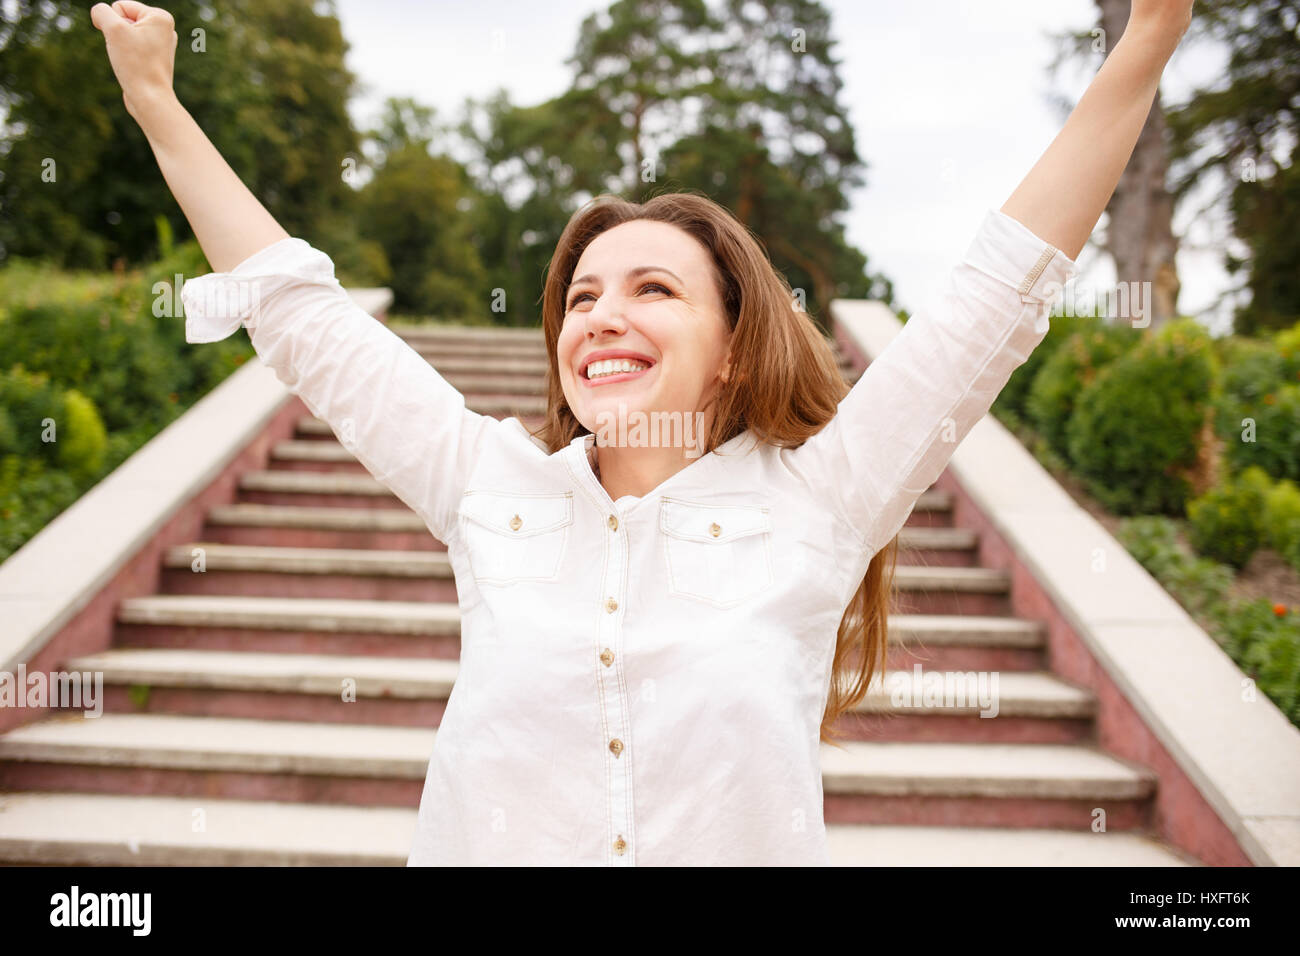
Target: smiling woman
{"points": [[654, 644]]}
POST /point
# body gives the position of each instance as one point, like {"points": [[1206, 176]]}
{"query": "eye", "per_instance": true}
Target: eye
{"points": [[649, 285]]}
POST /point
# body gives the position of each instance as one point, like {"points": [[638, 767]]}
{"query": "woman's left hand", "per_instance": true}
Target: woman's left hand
{"points": [[1163, 20]]}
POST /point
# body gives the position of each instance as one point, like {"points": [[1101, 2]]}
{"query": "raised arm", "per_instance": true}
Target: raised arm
{"points": [[388, 406], [898, 427], [1067, 190], [228, 220]]}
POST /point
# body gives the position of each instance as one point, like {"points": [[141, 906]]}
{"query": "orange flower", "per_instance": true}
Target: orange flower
{"points": [[1279, 610], [1268, 399]]}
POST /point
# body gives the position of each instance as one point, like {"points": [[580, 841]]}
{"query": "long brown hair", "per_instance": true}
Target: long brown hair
{"points": [[785, 386]]}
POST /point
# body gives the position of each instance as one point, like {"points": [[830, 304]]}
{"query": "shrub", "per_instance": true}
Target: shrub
{"points": [[1262, 639], [31, 496], [1266, 645], [1257, 415], [1282, 521], [1012, 401], [82, 441], [1071, 368], [1135, 432], [1227, 523]]}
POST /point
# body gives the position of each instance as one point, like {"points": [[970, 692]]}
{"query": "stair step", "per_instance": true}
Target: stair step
{"points": [[379, 677], [415, 618], [313, 483], [867, 845], [304, 482], [912, 577], [79, 829], [253, 523], [273, 560], [436, 564], [220, 744], [331, 519], [1039, 694]]}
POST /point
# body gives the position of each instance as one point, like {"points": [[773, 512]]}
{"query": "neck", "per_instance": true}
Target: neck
{"points": [[637, 471]]}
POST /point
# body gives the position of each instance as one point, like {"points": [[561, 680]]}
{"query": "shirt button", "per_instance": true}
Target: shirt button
{"points": [[613, 523], [715, 529], [620, 845], [607, 657], [616, 746], [611, 605], [515, 522]]}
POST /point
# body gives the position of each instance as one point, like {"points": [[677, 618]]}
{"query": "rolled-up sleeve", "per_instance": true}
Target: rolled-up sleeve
{"points": [[402, 420], [897, 428]]}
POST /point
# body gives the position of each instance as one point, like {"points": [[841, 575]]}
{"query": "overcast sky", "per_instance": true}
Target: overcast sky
{"points": [[948, 100]]}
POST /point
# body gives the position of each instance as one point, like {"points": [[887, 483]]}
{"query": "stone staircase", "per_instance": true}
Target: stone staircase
{"points": [[225, 739]]}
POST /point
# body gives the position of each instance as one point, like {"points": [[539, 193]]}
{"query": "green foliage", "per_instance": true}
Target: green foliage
{"points": [[29, 404], [1199, 584], [82, 441], [1266, 645], [1282, 521], [266, 81], [1013, 400], [1261, 638], [1257, 416], [1135, 431], [410, 209], [90, 369], [1071, 367], [31, 495], [1224, 133], [1227, 523]]}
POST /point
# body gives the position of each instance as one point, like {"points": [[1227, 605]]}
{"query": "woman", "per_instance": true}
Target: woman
{"points": [[647, 668]]}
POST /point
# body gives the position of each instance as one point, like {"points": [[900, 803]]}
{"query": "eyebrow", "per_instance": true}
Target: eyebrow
{"points": [[631, 274]]}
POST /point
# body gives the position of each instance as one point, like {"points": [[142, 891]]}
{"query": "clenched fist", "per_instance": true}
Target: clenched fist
{"points": [[141, 43]]}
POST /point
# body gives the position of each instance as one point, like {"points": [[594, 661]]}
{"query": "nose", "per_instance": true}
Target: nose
{"points": [[605, 317]]}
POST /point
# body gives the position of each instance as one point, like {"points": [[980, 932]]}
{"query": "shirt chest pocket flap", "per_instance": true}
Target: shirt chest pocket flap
{"points": [[512, 536], [718, 554]]}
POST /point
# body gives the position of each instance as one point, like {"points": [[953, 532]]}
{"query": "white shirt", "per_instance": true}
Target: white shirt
{"points": [[641, 682]]}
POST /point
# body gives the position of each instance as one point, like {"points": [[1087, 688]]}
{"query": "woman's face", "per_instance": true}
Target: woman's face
{"points": [[645, 290]]}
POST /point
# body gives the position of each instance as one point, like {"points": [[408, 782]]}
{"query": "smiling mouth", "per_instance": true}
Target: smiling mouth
{"points": [[616, 370]]}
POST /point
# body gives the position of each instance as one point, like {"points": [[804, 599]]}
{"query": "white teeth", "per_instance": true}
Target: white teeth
{"points": [[613, 367]]}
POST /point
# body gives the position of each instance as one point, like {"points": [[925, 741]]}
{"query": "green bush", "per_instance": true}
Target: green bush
{"points": [[1135, 432], [1287, 344], [1012, 401], [57, 427], [1261, 638], [31, 496], [1199, 584], [1071, 368], [82, 441], [29, 404], [103, 358], [1228, 522], [1266, 645], [1257, 415], [1282, 521]]}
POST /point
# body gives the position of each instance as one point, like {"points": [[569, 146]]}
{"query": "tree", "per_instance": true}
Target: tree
{"points": [[1241, 135], [264, 78], [415, 207]]}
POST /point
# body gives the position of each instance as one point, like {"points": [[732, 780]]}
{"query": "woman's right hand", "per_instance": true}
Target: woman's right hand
{"points": [[141, 44]]}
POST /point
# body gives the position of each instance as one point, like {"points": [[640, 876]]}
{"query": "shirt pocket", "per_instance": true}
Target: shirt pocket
{"points": [[514, 536], [718, 554]]}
